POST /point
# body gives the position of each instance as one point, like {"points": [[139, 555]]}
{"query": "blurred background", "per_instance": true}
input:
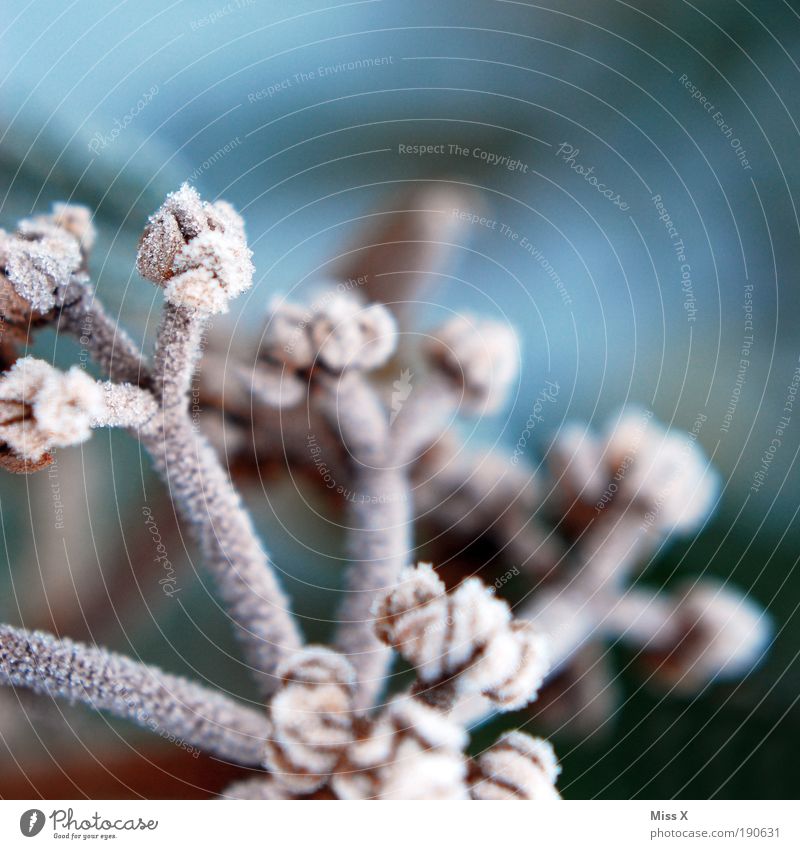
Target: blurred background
{"points": [[301, 115]]}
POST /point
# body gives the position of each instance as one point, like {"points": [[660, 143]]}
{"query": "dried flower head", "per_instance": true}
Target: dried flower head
{"points": [[721, 634], [410, 751], [517, 766], [73, 219], [39, 263], [337, 333], [311, 719], [479, 357], [464, 642], [42, 408], [197, 251], [347, 334], [638, 464], [669, 474]]}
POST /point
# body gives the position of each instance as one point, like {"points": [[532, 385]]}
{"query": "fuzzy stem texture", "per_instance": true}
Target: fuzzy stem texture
{"points": [[378, 526], [208, 503], [574, 611], [109, 346], [425, 417], [167, 704]]}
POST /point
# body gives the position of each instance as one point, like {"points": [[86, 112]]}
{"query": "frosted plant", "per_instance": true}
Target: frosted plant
{"points": [[321, 393]]}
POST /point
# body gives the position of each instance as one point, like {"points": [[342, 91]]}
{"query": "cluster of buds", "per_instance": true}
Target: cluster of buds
{"points": [[479, 358], [320, 745], [617, 494], [43, 267], [42, 408], [337, 333], [462, 643]]}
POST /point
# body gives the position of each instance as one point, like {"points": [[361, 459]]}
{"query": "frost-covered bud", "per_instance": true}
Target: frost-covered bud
{"points": [[462, 643], [263, 787], [197, 251], [182, 217], [480, 357], [409, 751], [637, 464], [576, 459], [73, 219], [35, 272], [517, 766], [42, 408], [663, 471], [125, 405], [311, 719], [347, 334], [337, 332], [723, 634], [286, 339]]}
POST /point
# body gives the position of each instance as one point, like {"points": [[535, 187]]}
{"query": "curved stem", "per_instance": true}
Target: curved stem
{"points": [[109, 346], [166, 704], [208, 503]]}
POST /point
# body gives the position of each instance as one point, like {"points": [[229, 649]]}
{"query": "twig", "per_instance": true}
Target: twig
{"points": [[167, 704]]}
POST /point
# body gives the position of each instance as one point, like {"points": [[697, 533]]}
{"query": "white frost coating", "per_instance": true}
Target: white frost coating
{"points": [[576, 459], [40, 267], [311, 719], [43, 407], [410, 751], [197, 251], [174, 707], [479, 356], [465, 641], [75, 220], [518, 766], [347, 334], [125, 405], [668, 472], [725, 635], [336, 331], [638, 464]]}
